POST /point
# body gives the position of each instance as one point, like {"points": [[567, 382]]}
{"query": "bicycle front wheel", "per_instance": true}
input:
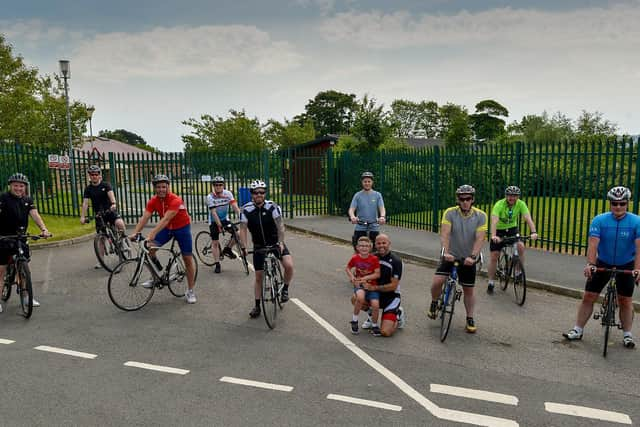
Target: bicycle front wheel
{"points": [[26, 289], [519, 281], [502, 269], [131, 286], [609, 319], [203, 248], [178, 282], [447, 304], [106, 252], [240, 254], [8, 283], [269, 293]]}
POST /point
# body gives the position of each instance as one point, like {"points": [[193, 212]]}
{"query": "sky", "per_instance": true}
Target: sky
{"points": [[148, 65]]}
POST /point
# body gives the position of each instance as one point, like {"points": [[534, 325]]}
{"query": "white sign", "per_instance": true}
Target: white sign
{"points": [[54, 161], [65, 162], [205, 178]]}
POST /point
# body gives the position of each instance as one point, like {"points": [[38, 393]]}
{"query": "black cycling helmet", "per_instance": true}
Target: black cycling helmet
{"points": [[19, 177], [94, 169], [465, 189], [619, 193], [366, 175], [218, 179], [512, 190], [160, 178]]}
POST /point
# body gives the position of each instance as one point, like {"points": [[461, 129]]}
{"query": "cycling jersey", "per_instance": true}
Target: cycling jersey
{"points": [[618, 237], [390, 268], [508, 217], [464, 229], [14, 213], [261, 222], [98, 196], [172, 202], [366, 204], [220, 203]]}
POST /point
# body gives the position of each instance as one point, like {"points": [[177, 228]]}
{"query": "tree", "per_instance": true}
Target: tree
{"points": [[283, 135], [455, 126], [414, 118], [235, 133], [127, 137], [371, 123], [486, 122], [332, 112], [594, 124]]}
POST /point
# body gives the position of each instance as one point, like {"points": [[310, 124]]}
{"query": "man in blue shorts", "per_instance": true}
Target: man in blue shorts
{"points": [[369, 207], [614, 241]]}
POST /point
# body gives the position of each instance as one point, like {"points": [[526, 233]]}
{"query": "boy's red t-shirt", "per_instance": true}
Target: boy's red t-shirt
{"points": [[364, 266]]}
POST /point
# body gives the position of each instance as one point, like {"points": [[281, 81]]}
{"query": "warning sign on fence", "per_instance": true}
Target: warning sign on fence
{"points": [[54, 161], [65, 162]]}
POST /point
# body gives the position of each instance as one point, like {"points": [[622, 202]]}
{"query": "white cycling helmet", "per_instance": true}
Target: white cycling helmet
{"points": [[257, 184], [512, 190], [619, 193]]}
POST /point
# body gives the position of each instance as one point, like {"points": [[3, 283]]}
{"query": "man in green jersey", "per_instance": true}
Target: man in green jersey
{"points": [[505, 217]]}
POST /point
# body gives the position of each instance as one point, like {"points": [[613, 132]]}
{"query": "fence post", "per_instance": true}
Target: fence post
{"points": [[265, 166], [289, 178], [436, 189], [330, 181], [636, 186], [518, 164]]}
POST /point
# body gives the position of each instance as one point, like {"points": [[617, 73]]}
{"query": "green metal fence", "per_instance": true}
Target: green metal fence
{"points": [[564, 184]]}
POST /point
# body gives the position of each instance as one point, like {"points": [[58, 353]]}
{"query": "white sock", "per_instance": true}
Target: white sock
{"points": [[375, 325], [627, 334], [578, 329], [354, 318]]}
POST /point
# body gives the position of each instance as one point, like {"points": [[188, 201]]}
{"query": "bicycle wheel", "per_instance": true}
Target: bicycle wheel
{"points": [[279, 283], [519, 281], [26, 289], [178, 275], [609, 319], [125, 251], [203, 248], [448, 301], [269, 306], [237, 249], [131, 286], [8, 283], [105, 248], [502, 269]]}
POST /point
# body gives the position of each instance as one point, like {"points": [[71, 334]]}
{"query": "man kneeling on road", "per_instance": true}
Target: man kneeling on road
{"points": [[388, 287]]}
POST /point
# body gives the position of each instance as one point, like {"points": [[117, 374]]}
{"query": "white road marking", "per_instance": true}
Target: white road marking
{"points": [[475, 394], [4, 341], [259, 384], [158, 368], [364, 402], [66, 352], [435, 410], [584, 412]]}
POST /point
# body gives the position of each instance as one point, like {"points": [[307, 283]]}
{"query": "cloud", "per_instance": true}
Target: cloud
{"points": [[524, 27], [184, 52], [34, 31]]}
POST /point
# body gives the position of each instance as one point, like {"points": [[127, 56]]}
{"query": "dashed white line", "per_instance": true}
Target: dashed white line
{"points": [[435, 410], [364, 402], [4, 341], [585, 412], [158, 368], [66, 352], [259, 384], [475, 394]]}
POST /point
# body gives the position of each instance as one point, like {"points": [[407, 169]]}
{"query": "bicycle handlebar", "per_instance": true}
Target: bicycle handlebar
{"points": [[611, 270], [513, 239], [264, 249], [24, 236]]}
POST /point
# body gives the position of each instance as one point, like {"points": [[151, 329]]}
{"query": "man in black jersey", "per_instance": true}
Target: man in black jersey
{"points": [[103, 201], [15, 208], [263, 219]]}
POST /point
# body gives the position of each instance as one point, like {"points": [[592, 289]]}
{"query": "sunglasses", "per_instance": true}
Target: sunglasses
{"points": [[94, 174], [465, 199], [218, 185], [618, 203], [260, 192]]}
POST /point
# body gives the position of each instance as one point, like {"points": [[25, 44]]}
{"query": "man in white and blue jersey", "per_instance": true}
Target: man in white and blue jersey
{"points": [[368, 205], [219, 201], [614, 241]]}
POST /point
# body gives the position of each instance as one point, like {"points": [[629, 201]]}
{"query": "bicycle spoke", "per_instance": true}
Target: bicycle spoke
{"points": [[203, 248], [129, 290], [519, 281]]}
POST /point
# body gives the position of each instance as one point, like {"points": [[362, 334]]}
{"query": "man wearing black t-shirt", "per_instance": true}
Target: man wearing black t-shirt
{"points": [[15, 209], [103, 201]]}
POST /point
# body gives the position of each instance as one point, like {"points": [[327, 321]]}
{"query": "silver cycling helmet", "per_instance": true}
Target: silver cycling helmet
{"points": [[619, 193], [465, 189], [257, 184], [19, 177], [160, 178], [94, 169], [366, 175], [218, 179], [512, 190]]}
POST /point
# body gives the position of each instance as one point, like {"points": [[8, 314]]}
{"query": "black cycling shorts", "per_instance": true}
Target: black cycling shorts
{"points": [[258, 258], [466, 274], [624, 282], [509, 232], [108, 216], [213, 228]]}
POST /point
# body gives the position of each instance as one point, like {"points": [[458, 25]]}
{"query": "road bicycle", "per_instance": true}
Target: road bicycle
{"points": [[510, 268], [203, 246], [609, 306], [451, 292], [110, 245], [272, 284], [18, 272], [133, 282]]}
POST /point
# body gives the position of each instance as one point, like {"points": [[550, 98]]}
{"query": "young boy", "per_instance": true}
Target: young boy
{"points": [[363, 269]]}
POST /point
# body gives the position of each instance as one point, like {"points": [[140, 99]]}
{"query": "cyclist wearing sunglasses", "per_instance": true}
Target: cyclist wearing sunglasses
{"points": [[103, 200], [505, 218], [263, 219], [614, 242], [219, 201]]}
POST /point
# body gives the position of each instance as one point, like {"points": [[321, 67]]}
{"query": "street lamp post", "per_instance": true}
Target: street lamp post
{"points": [[65, 70], [90, 110]]}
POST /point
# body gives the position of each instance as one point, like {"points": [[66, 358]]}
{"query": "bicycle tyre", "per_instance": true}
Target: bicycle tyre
{"points": [[502, 270], [268, 301], [448, 301], [241, 256], [6, 288], [106, 253], [125, 285], [203, 248], [519, 281], [26, 289], [609, 320], [279, 282], [178, 275]]}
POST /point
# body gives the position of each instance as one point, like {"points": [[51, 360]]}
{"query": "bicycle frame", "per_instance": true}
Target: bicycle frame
{"points": [[161, 277]]}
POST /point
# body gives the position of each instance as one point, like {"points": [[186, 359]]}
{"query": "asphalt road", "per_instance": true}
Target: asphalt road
{"points": [[517, 359]]}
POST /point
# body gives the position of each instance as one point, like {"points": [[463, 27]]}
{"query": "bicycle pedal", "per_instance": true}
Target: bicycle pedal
{"points": [[596, 316]]}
